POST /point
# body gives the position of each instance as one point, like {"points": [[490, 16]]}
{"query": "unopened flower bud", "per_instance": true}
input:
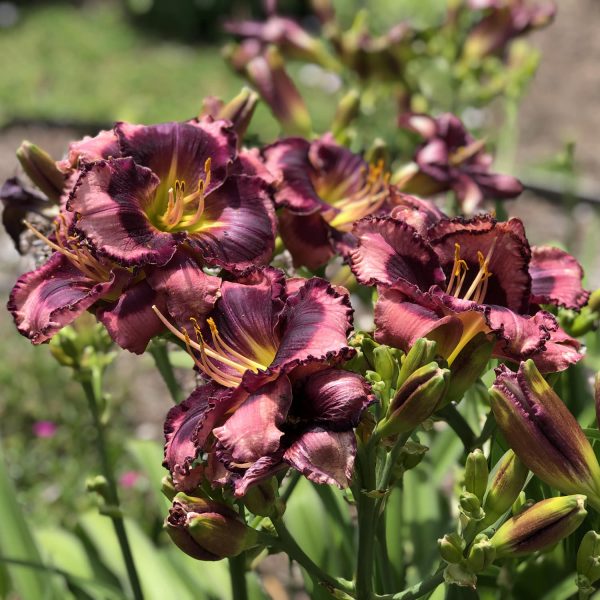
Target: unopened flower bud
{"points": [[239, 111], [588, 557], [378, 152], [544, 524], [476, 473], [411, 454], [470, 506], [347, 110], [543, 433], [207, 530], [597, 396], [385, 364], [262, 499], [506, 482], [422, 353], [451, 547], [167, 487], [481, 554], [416, 399], [42, 170]]}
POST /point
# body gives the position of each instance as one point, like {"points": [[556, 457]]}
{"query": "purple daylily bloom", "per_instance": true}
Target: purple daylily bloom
{"points": [[460, 277], [323, 188], [266, 336], [171, 185], [450, 158]]}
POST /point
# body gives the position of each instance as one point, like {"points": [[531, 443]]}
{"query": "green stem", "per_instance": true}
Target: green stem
{"points": [[237, 575], [460, 426], [418, 590], [294, 478], [288, 544], [486, 431], [159, 352], [93, 391]]}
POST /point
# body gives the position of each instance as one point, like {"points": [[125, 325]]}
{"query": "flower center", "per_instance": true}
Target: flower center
{"points": [[478, 288], [184, 210], [356, 205], [464, 153], [219, 361], [73, 249]]}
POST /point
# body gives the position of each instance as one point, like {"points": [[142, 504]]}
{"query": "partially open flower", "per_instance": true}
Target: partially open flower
{"points": [[450, 158], [207, 530], [459, 278], [543, 433], [323, 189]]}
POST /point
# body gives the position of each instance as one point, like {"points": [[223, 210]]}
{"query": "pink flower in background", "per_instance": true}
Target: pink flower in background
{"points": [[44, 429], [129, 479]]}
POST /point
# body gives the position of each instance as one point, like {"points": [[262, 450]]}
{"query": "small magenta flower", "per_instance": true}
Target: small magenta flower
{"points": [[543, 433], [458, 278], [323, 188], [44, 429], [450, 158], [538, 528], [207, 530]]}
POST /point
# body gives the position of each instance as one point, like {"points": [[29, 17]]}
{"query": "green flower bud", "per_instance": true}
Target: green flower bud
{"points": [[481, 554], [451, 547], [239, 111], [385, 364], [378, 152], [262, 499], [347, 110], [422, 352], [506, 482], [470, 506], [588, 557], [411, 454], [476, 473], [415, 401], [544, 524], [42, 170], [167, 487], [207, 530]]}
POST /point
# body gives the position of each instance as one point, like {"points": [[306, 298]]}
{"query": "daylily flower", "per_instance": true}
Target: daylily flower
{"points": [[462, 277], [543, 433], [450, 158], [323, 188], [271, 341], [74, 279], [504, 21], [172, 187]]}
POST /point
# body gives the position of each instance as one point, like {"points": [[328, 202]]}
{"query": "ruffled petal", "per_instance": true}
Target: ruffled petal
{"points": [[389, 251], [315, 325], [307, 238], [103, 145], [187, 428], [110, 198], [253, 431], [45, 300], [188, 290], [400, 320], [180, 150], [324, 456], [559, 353], [131, 322], [332, 398], [417, 212], [510, 282], [556, 278], [238, 224]]}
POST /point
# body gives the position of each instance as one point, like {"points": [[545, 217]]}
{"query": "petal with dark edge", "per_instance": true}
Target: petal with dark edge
{"points": [[556, 278], [324, 456], [188, 426], [180, 150], [390, 251], [188, 290], [400, 320], [559, 353], [332, 398], [315, 324], [253, 431], [307, 238], [288, 160], [510, 282], [45, 300], [131, 322], [110, 198], [101, 146], [238, 224], [417, 212]]}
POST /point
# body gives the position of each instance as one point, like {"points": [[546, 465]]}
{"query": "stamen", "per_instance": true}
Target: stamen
{"points": [[483, 275], [459, 266]]}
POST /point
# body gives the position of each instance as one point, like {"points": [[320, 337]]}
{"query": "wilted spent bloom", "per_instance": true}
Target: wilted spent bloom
{"points": [[543, 433], [415, 400], [476, 473], [544, 524], [505, 484], [207, 530], [588, 560]]}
